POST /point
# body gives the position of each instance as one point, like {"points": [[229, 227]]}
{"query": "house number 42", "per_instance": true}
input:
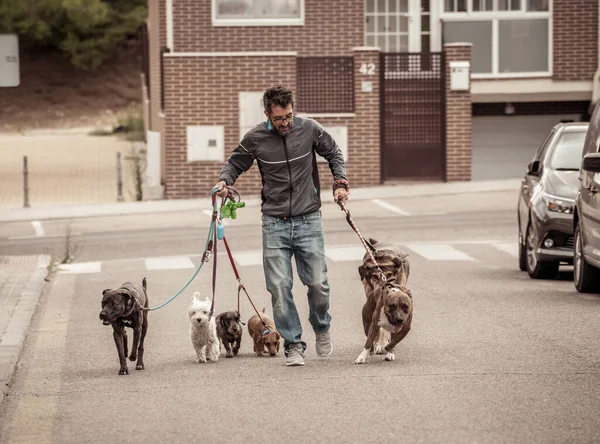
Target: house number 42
{"points": [[367, 69]]}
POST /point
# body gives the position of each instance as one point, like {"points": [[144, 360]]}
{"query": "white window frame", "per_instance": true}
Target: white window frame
{"points": [[257, 21], [495, 17]]}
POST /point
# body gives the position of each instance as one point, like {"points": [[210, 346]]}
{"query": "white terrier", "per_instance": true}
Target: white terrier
{"points": [[203, 330]]}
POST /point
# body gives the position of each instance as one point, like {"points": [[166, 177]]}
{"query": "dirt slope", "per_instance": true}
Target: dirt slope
{"points": [[53, 94]]}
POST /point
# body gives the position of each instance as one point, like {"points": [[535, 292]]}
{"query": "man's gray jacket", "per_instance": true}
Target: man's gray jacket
{"points": [[287, 165]]}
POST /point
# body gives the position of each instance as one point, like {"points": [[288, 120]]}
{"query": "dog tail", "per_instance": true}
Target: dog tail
{"points": [[144, 283]]}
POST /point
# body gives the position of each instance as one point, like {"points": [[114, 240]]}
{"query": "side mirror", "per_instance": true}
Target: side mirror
{"points": [[533, 168], [591, 163]]}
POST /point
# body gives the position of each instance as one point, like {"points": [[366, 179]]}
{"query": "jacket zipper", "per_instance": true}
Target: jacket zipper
{"points": [[287, 160]]}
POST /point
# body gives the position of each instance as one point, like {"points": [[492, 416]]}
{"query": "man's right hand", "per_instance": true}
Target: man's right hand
{"points": [[222, 191]]}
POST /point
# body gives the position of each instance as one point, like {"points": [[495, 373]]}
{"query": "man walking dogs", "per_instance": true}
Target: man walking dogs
{"points": [[285, 149]]}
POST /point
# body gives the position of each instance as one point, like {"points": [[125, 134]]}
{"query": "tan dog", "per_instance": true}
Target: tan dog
{"points": [[266, 340], [387, 312]]}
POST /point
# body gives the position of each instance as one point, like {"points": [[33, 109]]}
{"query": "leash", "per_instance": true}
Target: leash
{"points": [[207, 249], [370, 248]]}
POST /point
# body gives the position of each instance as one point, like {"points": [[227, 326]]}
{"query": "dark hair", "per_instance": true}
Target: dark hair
{"points": [[279, 96]]}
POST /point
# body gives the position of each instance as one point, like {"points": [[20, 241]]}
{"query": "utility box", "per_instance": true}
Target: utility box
{"points": [[205, 143], [9, 60], [459, 75]]}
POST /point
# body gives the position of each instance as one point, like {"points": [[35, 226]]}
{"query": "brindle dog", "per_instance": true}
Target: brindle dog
{"points": [[388, 310], [229, 331], [124, 307]]}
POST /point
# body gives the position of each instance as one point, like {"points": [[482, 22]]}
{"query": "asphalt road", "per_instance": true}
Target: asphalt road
{"points": [[493, 356]]}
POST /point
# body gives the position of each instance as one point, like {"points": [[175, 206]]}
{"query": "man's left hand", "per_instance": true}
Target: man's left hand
{"points": [[340, 194]]}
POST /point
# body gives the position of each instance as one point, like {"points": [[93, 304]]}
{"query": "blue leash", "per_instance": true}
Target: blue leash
{"points": [[210, 231]]}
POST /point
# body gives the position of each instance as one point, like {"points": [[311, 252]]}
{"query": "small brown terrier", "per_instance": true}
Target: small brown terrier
{"points": [[229, 331], [266, 340]]}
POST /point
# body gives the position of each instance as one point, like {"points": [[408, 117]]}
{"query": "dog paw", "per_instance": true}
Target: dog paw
{"points": [[380, 349], [362, 358], [229, 354], [139, 366], [133, 357], [123, 372], [390, 357], [201, 359]]}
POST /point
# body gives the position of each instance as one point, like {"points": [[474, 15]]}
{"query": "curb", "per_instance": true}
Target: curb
{"points": [[158, 206], [14, 337]]}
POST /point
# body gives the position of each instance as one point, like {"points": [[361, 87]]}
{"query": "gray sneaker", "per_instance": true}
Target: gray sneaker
{"points": [[294, 356], [324, 346]]}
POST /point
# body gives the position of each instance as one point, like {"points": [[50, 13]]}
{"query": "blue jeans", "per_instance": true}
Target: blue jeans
{"points": [[301, 237]]}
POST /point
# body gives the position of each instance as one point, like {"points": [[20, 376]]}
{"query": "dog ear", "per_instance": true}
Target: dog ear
{"points": [[223, 322], [197, 295], [361, 272], [373, 241], [105, 291]]}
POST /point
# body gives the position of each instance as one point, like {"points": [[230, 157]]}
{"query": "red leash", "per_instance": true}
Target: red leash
{"points": [[235, 271]]}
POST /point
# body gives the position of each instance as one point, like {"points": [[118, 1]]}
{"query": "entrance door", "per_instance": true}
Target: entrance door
{"points": [[412, 116], [399, 25]]}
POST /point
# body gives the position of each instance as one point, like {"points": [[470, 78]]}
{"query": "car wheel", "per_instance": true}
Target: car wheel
{"points": [[585, 276], [522, 252], [536, 269]]}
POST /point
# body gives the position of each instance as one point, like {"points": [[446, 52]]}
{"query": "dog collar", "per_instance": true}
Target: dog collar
{"points": [[266, 332]]}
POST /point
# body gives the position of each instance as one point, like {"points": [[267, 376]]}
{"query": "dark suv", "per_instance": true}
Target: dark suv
{"points": [[586, 219], [547, 199]]}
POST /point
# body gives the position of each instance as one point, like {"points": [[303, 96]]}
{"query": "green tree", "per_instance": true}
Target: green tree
{"points": [[86, 31]]}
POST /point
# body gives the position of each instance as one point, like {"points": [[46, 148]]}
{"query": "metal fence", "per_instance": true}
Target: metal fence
{"points": [[325, 84]]}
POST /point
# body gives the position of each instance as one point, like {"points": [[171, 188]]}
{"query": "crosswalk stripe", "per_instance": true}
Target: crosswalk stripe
{"points": [[341, 253], [168, 263], [247, 258], [80, 268], [508, 247], [439, 252]]}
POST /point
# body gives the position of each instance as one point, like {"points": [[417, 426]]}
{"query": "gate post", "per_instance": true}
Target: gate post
{"points": [[458, 116], [364, 138]]}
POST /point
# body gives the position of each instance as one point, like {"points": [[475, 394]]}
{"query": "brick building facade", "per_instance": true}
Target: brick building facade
{"points": [[209, 60]]}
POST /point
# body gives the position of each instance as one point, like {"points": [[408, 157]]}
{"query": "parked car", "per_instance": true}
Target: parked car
{"points": [[586, 218], [547, 199]]}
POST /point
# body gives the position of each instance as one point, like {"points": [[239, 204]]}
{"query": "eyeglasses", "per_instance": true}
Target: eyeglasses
{"points": [[280, 119]]}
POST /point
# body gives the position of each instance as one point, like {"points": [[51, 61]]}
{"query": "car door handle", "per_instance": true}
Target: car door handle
{"points": [[592, 189]]}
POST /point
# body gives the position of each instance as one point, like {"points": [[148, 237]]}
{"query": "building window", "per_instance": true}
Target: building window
{"points": [[511, 38], [257, 12]]}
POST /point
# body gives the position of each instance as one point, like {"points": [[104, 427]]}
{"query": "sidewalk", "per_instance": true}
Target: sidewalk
{"points": [[376, 192], [21, 285]]}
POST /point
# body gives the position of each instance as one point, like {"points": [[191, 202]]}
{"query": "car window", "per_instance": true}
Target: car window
{"points": [[567, 151], [540, 153]]}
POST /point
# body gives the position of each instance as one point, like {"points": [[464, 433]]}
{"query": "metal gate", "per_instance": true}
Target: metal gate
{"points": [[413, 116]]}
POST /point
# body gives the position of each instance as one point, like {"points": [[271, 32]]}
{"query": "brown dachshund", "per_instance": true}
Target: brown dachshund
{"points": [[266, 340], [229, 331]]}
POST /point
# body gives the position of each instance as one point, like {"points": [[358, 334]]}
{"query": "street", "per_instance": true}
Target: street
{"points": [[493, 356]]}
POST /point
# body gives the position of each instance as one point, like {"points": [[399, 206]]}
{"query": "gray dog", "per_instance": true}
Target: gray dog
{"points": [[124, 307]]}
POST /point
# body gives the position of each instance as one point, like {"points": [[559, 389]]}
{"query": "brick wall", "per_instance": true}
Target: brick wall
{"points": [[575, 39], [321, 35], [205, 91], [157, 39], [458, 119]]}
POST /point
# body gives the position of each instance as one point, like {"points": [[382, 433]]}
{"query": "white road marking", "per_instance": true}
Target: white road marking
{"points": [[80, 268], [39, 229], [439, 252], [343, 253], [248, 258], [508, 247], [390, 207], [168, 263]]}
